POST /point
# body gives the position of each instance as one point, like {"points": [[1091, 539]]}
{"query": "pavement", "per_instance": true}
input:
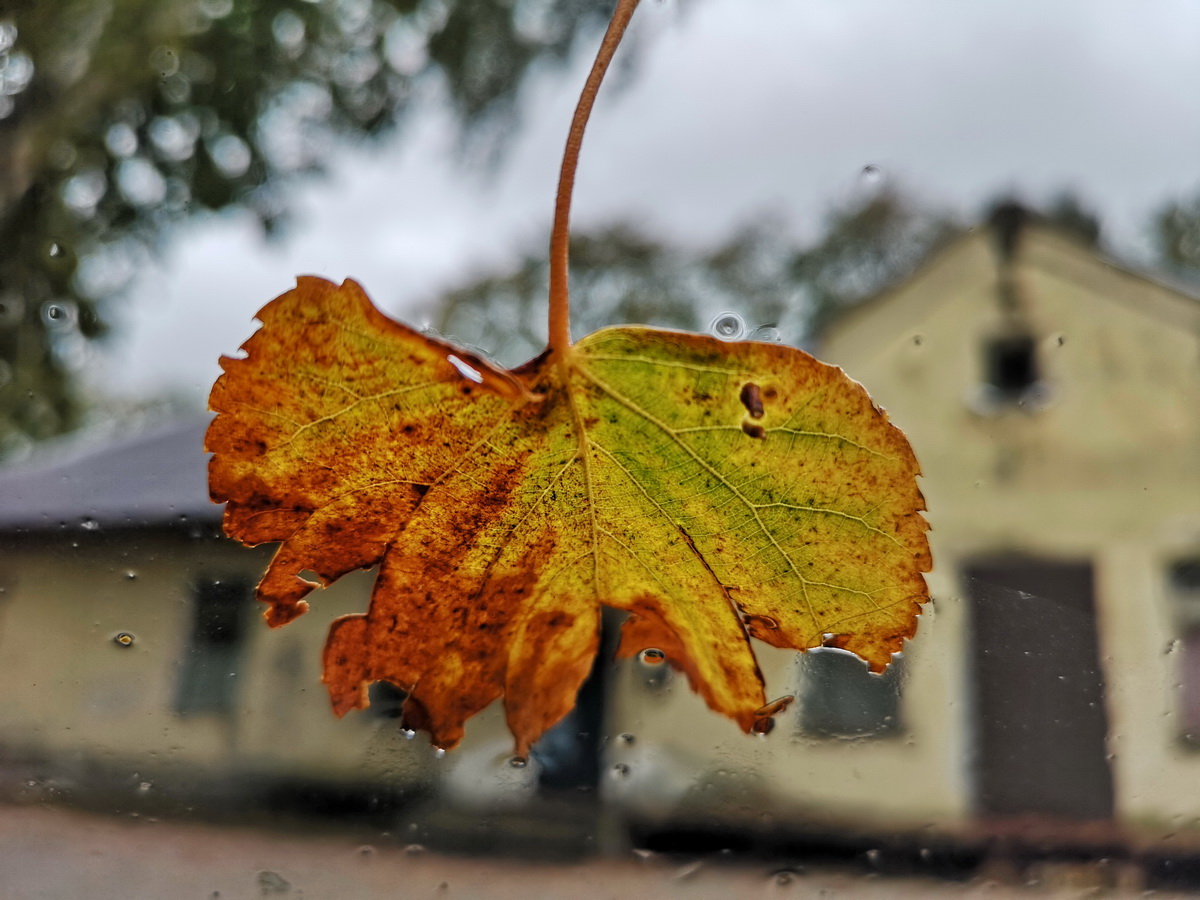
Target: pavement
{"points": [[49, 853]]}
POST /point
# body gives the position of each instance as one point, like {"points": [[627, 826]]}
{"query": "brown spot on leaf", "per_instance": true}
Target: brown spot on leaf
{"points": [[751, 398], [754, 430]]}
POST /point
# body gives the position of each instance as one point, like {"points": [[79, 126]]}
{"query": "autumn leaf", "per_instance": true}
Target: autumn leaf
{"points": [[716, 492]]}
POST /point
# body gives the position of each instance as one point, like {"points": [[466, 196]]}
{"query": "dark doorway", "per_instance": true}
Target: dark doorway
{"points": [[1040, 721]]}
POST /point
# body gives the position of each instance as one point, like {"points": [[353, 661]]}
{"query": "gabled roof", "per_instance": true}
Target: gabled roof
{"points": [[156, 478], [1042, 246]]}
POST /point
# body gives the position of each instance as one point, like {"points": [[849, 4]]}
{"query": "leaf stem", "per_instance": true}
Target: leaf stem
{"points": [[560, 237]]}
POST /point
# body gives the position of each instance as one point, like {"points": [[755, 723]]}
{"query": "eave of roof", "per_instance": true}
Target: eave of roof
{"points": [[158, 478]]}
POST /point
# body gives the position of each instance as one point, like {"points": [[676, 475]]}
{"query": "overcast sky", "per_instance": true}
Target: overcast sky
{"points": [[736, 108]]}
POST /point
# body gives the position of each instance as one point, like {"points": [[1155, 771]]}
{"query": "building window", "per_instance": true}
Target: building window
{"points": [[1183, 580], [212, 661], [1010, 366], [840, 698]]}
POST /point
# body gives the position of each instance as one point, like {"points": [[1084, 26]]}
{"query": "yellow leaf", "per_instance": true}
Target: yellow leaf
{"points": [[714, 491]]}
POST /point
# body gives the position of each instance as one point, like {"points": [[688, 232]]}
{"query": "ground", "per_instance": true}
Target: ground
{"points": [[48, 853]]}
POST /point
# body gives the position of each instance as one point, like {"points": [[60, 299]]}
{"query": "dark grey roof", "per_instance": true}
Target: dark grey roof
{"points": [[150, 479]]}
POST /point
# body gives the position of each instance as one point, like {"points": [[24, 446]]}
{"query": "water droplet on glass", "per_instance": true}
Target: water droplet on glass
{"points": [[409, 733], [55, 251], [768, 334], [366, 850], [131, 575], [643, 854], [439, 752], [783, 877], [764, 621], [652, 656], [465, 369], [123, 639], [414, 848], [775, 707], [620, 770], [144, 787], [728, 326], [87, 523], [518, 762], [626, 738], [874, 857], [58, 315], [917, 340], [764, 726], [871, 176]]}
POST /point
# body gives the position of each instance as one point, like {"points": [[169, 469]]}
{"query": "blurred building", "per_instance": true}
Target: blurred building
{"points": [[1053, 401]]}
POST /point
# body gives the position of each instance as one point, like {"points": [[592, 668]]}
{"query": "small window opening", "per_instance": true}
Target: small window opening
{"points": [[839, 698], [208, 679], [1011, 365]]}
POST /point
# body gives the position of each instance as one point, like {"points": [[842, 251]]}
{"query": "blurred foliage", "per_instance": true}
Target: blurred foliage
{"points": [[121, 117], [762, 284], [1176, 235]]}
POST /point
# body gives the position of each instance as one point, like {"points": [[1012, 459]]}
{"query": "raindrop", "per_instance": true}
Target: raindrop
{"points": [[768, 334], [518, 762], [874, 857], [766, 622], [131, 575], [620, 770], [642, 853], [775, 707], [764, 726], [413, 849], [57, 315], [728, 326], [652, 656], [917, 340], [144, 787], [56, 251], [409, 733], [466, 370], [439, 752], [871, 176], [626, 738], [366, 850], [87, 523], [783, 877], [1171, 647], [123, 639], [164, 60]]}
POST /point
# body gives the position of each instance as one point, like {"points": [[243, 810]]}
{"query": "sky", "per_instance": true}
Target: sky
{"points": [[730, 110]]}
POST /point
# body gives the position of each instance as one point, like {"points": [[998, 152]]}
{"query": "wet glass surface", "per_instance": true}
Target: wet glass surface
{"points": [[989, 218]]}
